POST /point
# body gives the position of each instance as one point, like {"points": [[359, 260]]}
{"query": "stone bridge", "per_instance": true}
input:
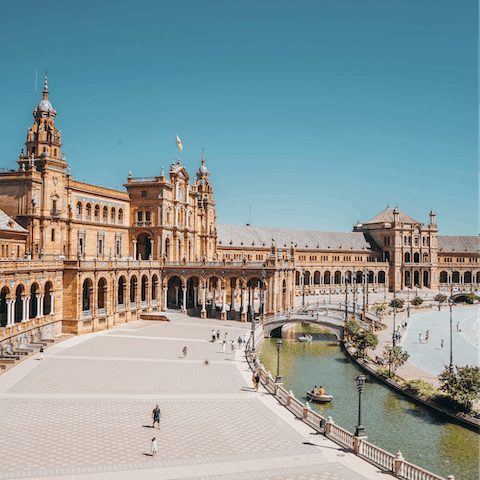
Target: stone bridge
{"points": [[330, 316]]}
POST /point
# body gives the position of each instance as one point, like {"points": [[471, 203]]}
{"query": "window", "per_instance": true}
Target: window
{"points": [[144, 193], [147, 216], [54, 206], [140, 216], [79, 210], [416, 241], [112, 215], [53, 234], [97, 213], [105, 214], [120, 216], [89, 211]]}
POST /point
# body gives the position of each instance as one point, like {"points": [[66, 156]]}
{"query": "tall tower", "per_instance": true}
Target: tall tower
{"points": [[206, 206]]}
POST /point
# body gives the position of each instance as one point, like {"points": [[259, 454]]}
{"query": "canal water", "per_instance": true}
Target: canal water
{"points": [[391, 422]]}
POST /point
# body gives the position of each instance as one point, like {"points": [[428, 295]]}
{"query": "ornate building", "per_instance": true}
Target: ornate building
{"points": [[90, 257]]}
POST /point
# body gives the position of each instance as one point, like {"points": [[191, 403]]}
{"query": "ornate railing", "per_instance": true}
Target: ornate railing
{"points": [[358, 445]]}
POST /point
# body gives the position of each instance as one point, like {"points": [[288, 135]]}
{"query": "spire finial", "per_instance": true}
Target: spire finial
{"points": [[45, 88], [203, 156]]}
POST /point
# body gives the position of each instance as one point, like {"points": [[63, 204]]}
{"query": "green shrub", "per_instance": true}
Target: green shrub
{"points": [[421, 387], [440, 298], [382, 370], [449, 402], [417, 301], [397, 303], [471, 298]]}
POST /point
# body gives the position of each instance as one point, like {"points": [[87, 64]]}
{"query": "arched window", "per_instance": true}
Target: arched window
{"points": [[144, 288], [79, 210], [87, 295], [297, 278], [121, 290], [3, 306], [88, 208], [425, 258], [338, 278], [407, 257], [33, 301], [102, 288], [154, 287], [326, 278], [316, 278], [120, 216], [97, 213], [19, 304], [105, 214], [167, 248], [112, 215], [443, 277], [381, 276], [133, 289], [47, 300], [416, 257]]}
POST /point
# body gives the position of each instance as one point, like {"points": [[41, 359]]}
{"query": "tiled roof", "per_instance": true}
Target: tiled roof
{"points": [[387, 217], [458, 243], [9, 224], [282, 236]]}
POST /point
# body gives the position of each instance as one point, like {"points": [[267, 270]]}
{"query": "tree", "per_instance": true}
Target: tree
{"points": [[462, 385], [395, 358], [365, 341], [352, 328], [417, 301], [397, 303], [471, 298], [440, 298]]}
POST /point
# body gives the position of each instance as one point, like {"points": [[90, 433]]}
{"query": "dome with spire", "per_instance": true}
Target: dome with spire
{"points": [[202, 171], [45, 105]]}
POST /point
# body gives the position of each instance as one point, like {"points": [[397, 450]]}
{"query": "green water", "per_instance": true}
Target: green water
{"points": [[390, 421]]}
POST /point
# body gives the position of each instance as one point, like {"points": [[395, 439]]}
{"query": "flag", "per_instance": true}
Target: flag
{"points": [[179, 143]]}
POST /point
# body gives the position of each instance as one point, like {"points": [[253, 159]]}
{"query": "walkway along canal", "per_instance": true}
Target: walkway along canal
{"points": [[392, 423]]}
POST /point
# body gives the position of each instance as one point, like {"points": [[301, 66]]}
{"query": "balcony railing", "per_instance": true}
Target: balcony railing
{"points": [[54, 212]]}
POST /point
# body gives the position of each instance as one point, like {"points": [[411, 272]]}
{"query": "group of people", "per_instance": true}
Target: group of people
{"points": [[318, 391]]}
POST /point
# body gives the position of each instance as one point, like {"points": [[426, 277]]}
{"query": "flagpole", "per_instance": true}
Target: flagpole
{"points": [[176, 148]]}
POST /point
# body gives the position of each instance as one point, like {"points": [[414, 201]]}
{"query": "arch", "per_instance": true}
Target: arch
{"points": [[443, 277], [416, 278], [133, 289], [370, 277], [467, 277], [105, 214], [144, 288], [348, 276], [456, 277], [316, 278], [102, 288], [47, 300], [112, 215], [338, 277], [33, 301], [407, 257], [79, 210], [381, 276], [359, 277], [88, 211], [192, 291], [144, 246], [174, 289], [306, 279], [478, 278], [87, 295], [120, 216], [326, 277], [416, 257], [121, 290], [154, 286], [425, 279], [97, 212], [408, 281], [3, 306], [297, 278], [19, 303]]}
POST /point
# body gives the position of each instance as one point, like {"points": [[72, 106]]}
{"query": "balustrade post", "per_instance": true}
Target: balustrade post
{"points": [[328, 425], [289, 397], [306, 409], [357, 444], [398, 463]]}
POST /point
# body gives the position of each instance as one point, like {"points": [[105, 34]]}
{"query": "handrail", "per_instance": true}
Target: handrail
{"points": [[358, 445]]}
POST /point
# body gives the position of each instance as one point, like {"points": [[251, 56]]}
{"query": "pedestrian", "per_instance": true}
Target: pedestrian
{"points": [[458, 326], [41, 353], [244, 341], [420, 338], [426, 337], [226, 336], [239, 341], [156, 414], [214, 336], [441, 344], [154, 447], [218, 334], [232, 347], [184, 351], [223, 346], [257, 381]]}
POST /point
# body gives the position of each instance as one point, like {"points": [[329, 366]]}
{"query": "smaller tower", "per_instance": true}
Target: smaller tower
{"points": [[432, 217]]}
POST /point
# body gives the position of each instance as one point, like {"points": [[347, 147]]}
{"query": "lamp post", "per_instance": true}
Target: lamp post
{"points": [[252, 319], [279, 347], [439, 300], [354, 298], [363, 283], [471, 281], [408, 298], [451, 335], [360, 430], [346, 298], [330, 295], [394, 315], [303, 283]]}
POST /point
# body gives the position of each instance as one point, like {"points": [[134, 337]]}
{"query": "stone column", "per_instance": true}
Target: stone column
{"points": [[244, 302], [152, 249], [176, 296], [203, 313], [195, 292], [42, 304], [10, 313], [52, 308], [24, 309], [223, 315], [232, 300], [134, 249], [165, 290], [184, 306], [39, 302]]}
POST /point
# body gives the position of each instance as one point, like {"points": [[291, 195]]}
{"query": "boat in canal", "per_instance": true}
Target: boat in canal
{"points": [[319, 398], [305, 338]]}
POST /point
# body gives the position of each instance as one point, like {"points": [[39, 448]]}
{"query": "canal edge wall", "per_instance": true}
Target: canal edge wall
{"points": [[467, 422]]}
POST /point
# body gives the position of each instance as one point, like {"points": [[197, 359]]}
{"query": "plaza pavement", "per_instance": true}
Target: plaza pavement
{"points": [[84, 412]]}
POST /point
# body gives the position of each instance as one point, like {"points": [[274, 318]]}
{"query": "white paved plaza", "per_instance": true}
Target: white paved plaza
{"points": [[84, 412]]}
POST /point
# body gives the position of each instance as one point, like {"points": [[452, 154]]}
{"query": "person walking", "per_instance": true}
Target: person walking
{"points": [[154, 447], [426, 336], [214, 336], [223, 346], [257, 381], [232, 347], [41, 353], [226, 336], [420, 338], [218, 334], [441, 344], [156, 414], [184, 351], [239, 341]]}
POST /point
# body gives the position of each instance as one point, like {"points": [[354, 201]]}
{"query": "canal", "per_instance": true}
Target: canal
{"points": [[391, 422]]}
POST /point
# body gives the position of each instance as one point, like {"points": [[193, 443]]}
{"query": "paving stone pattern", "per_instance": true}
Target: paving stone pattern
{"points": [[108, 435], [65, 375], [132, 347]]}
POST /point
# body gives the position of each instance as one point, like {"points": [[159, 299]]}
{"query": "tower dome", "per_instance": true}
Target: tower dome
{"points": [[45, 105], [202, 171]]}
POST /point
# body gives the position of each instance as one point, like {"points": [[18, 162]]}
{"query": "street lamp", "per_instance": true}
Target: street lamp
{"points": [[354, 298], [394, 315], [279, 347], [346, 298], [359, 430], [303, 282], [451, 335], [408, 298]]}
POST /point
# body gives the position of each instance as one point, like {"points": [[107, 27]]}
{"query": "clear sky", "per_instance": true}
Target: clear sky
{"points": [[321, 112]]}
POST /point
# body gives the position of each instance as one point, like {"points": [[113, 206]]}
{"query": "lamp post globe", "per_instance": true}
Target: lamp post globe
{"points": [[303, 290], [279, 347], [360, 430]]}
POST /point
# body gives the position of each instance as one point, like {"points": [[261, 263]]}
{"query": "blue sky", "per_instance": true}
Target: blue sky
{"points": [[321, 112]]}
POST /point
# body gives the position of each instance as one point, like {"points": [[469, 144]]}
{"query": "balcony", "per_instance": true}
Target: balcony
{"points": [[143, 224], [54, 212]]}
